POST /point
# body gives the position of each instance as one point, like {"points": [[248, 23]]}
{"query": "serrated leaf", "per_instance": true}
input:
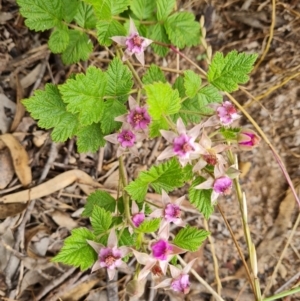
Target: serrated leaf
{"points": [[41, 14], [84, 95], [167, 176], [192, 82], [162, 100], [126, 239], [182, 29], [79, 48], [189, 111], [90, 138], [158, 33], [119, 80], [101, 199], [143, 9], [118, 6], [58, 40], [226, 73], [69, 8], [190, 238], [229, 133], [164, 8], [201, 198], [100, 220], [107, 29], [149, 226], [102, 8], [153, 74], [206, 95], [85, 16], [156, 126], [76, 251], [48, 107], [179, 85], [112, 109]]}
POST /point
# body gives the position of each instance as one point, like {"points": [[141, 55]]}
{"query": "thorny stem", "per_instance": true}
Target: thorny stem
{"points": [[124, 180]]}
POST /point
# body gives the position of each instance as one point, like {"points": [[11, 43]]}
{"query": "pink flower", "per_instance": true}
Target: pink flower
{"points": [[180, 281], [247, 139], [161, 249], [137, 216], [126, 138], [137, 117], [170, 212], [134, 43], [109, 257], [221, 184], [227, 113], [183, 144]]}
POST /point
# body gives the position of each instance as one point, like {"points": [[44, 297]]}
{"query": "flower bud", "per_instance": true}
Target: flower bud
{"points": [[247, 139]]}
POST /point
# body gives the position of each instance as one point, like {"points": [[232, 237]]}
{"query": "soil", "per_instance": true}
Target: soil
{"points": [[32, 233]]}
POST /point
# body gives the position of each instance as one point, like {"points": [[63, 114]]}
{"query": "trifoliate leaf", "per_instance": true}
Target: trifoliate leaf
{"points": [[90, 138], [79, 48], [112, 109], [192, 82], [76, 251], [153, 74], [85, 16], [118, 6], [100, 220], [226, 73], [59, 40], [148, 226], [158, 33], [126, 239], [48, 107], [190, 238], [201, 198], [69, 8], [182, 29], [164, 8], [84, 95], [162, 100], [167, 176], [229, 133], [119, 80], [101, 199], [41, 14], [143, 9], [107, 29], [102, 8]]}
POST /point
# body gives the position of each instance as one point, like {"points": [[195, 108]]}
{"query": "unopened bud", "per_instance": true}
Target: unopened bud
{"points": [[247, 139]]}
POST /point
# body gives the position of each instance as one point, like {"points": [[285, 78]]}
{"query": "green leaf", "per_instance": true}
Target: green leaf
{"points": [[69, 8], [167, 176], [126, 239], [119, 80], [76, 251], [158, 33], [183, 30], [112, 109], [229, 133], [100, 220], [149, 226], [164, 8], [47, 107], [162, 100], [153, 74], [41, 14], [201, 198], [102, 8], [190, 238], [209, 94], [107, 29], [226, 73], [101, 199], [143, 9], [90, 138], [59, 40], [179, 85], [192, 82], [156, 126], [188, 112], [85, 16], [118, 6], [79, 48], [84, 95]]}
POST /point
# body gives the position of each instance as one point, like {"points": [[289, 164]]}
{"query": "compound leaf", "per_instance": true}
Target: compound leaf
{"points": [[143, 9], [107, 29], [153, 74], [164, 8], [192, 82], [100, 220], [85, 16], [69, 8], [158, 33], [59, 40]]}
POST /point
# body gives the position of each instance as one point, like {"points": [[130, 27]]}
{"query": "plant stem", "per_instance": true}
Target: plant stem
{"points": [[283, 294]]}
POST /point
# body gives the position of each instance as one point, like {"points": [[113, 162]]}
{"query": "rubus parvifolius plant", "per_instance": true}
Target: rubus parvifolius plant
{"points": [[126, 105]]}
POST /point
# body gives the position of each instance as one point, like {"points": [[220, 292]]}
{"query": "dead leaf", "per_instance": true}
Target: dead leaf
{"points": [[4, 120], [29, 234], [6, 168], [112, 181], [19, 157], [63, 219], [11, 209], [40, 138], [4, 17]]}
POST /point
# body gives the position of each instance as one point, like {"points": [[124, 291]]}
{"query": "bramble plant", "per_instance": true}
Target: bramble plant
{"points": [[125, 107]]}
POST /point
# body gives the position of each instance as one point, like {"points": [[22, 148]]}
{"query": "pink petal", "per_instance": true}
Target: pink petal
{"points": [[120, 151], [180, 126], [111, 273], [113, 138], [214, 196], [164, 265], [132, 27], [179, 201], [119, 40], [211, 121], [188, 267], [164, 233], [200, 164], [134, 208], [164, 283], [219, 171], [95, 245], [112, 239], [147, 42], [142, 258], [220, 148], [205, 141], [175, 272], [124, 251], [167, 153], [146, 270], [96, 266], [132, 103], [157, 213], [140, 57], [195, 131], [206, 184], [168, 135], [165, 198], [176, 250], [121, 118]]}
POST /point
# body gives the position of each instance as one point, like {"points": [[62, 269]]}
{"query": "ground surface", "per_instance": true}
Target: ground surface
{"points": [[36, 234]]}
